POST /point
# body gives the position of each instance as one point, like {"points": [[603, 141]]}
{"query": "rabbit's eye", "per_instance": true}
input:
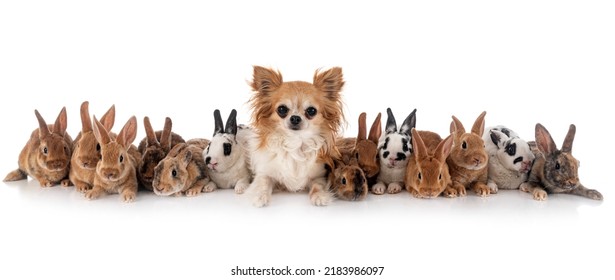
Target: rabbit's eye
{"points": [[343, 181], [45, 151], [557, 166], [227, 148], [310, 112], [405, 145], [440, 177], [98, 147], [282, 111], [420, 177], [356, 155], [174, 173], [121, 158], [464, 145]]}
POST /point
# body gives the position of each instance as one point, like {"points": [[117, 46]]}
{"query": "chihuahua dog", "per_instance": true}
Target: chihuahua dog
{"points": [[295, 126]]}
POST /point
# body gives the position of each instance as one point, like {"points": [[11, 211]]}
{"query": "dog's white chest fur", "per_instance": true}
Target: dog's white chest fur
{"points": [[291, 161]]}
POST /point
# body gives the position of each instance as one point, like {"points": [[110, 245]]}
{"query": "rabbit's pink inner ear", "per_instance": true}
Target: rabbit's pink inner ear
{"points": [[101, 135], [457, 126], [444, 148], [61, 123], [419, 146], [376, 130], [86, 121], [362, 135], [108, 119], [567, 146], [479, 125], [544, 140], [43, 129], [150, 135], [128, 133]]}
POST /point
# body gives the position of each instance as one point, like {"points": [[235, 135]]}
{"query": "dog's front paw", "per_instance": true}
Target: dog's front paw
{"points": [[261, 199], [321, 198]]}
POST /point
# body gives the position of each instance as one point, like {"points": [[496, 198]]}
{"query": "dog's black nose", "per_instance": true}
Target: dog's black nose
{"points": [[295, 120]]}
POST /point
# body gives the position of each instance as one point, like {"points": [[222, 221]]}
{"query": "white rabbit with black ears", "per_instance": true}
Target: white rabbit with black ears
{"points": [[395, 147], [510, 158], [226, 155]]}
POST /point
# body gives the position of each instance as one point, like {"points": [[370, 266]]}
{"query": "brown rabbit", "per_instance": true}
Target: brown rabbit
{"points": [[182, 171], [555, 171], [364, 147], [427, 173], [153, 148], [116, 171], [86, 149], [46, 155], [348, 180], [468, 159]]}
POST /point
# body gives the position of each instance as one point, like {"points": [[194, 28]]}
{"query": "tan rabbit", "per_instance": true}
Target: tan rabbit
{"points": [[468, 160], [364, 147], [46, 155], [153, 148], [182, 171], [116, 171], [427, 174], [86, 149]]}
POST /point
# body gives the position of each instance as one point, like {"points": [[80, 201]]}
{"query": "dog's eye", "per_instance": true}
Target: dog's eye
{"points": [[282, 111], [343, 181], [174, 173], [97, 147], [464, 145], [557, 166], [45, 151], [121, 158], [310, 112]]}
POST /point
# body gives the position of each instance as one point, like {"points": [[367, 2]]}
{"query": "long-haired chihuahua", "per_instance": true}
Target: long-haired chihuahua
{"points": [[295, 126]]}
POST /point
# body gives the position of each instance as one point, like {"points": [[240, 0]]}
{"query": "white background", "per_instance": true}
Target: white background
{"points": [[521, 61]]}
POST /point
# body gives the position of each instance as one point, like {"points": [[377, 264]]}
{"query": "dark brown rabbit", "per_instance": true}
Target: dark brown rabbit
{"points": [[348, 181], [46, 155], [555, 171], [153, 148], [86, 149]]}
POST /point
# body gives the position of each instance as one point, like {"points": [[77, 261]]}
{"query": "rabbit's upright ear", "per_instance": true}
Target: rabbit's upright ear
{"points": [[391, 124], [60, 125], [409, 123], [419, 146], [567, 146], [376, 130], [479, 125], [128, 133], [544, 140], [231, 123], [362, 135], [108, 119], [150, 135], [100, 133], [218, 125], [444, 148], [86, 121], [165, 136], [43, 129]]}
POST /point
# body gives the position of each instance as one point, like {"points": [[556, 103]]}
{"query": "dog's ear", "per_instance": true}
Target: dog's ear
{"points": [[330, 82], [265, 80]]}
